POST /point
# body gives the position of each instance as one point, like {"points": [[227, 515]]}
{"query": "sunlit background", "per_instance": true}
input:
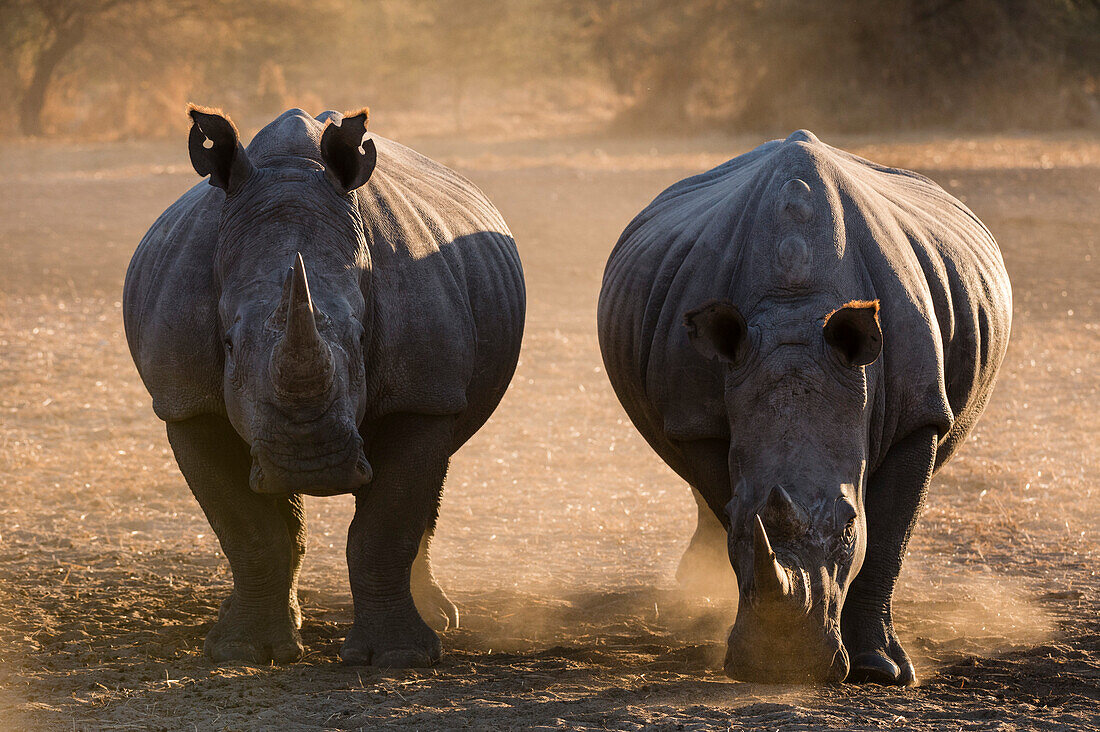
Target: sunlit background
{"points": [[124, 69], [560, 529]]}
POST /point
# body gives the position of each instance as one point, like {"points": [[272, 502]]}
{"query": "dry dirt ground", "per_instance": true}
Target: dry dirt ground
{"points": [[560, 530]]}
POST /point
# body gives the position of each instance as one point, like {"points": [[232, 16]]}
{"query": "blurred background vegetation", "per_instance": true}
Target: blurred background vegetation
{"points": [[124, 69]]}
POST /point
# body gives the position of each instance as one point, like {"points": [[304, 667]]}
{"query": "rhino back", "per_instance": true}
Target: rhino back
{"points": [[447, 289], [871, 233]]}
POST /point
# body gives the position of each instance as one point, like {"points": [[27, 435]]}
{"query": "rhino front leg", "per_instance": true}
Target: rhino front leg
{"points": [[431, 602], [262, 536], [410, 455], [293, 513], [895, 497]]}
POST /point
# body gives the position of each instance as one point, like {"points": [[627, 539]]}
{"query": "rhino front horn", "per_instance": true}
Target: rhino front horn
{"points": [[302, 362], [770, 578]]}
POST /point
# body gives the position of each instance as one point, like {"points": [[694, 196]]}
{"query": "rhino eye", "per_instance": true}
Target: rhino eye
{"points": [[849, 535], [228, 346]]}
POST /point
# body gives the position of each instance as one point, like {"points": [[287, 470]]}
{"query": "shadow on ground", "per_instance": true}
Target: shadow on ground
{"points": [[619, 659]]}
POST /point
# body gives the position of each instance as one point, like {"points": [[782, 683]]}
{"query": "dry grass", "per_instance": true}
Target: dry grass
{"points": [[560, 529]]}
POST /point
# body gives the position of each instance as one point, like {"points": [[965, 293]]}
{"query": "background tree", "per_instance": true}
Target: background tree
{"points": [[143, 46], [852, 64], [110, 68]]}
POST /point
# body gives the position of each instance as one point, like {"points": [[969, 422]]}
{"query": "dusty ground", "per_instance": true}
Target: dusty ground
{"points": [[560, 530]]}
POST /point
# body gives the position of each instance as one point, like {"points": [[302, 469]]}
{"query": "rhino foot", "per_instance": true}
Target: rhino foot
{"points": [[435, 607], [877, 656], [254, 635], [391, 640]]}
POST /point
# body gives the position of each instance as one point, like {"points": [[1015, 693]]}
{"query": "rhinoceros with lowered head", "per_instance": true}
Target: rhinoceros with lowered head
{"points": [[327, 314], [805, 337]]}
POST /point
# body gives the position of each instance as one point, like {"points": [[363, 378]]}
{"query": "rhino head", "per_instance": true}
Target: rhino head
{"points": [[796, 395], [294, 384]]}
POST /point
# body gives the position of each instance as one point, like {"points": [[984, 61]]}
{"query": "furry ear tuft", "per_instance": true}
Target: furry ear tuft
{"points": [[194, 111], [872, 305], [363, 112]]}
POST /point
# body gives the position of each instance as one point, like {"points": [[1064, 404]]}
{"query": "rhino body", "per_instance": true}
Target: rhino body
{"points": [[323, 318], [805, 337]]}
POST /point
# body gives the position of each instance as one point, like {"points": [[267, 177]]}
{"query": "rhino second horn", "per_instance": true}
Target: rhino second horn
{"points": [[782, 507], [302, 362], [770, 578]]}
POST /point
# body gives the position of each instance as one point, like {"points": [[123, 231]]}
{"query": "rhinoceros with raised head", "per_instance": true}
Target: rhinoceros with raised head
{"points": [[806, 337], [328, 315]]}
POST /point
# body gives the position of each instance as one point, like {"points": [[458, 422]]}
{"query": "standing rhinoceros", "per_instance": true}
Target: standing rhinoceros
{"points": [[805, 337], [327, 316]]}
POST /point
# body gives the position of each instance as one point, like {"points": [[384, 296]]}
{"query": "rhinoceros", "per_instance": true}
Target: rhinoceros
{"points": [[325, 315], [805, 337]]}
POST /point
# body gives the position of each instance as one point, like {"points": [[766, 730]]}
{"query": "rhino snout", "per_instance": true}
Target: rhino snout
{"points": [[787, 656]]}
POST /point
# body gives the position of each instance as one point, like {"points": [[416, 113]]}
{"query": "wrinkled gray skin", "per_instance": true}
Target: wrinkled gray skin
{"points": [[321, 318], [805, 337]]}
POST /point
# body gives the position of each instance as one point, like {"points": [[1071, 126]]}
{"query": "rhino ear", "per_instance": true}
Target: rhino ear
{"points": [[717, 330], [349, 161], [216, 149], [854, 332]]}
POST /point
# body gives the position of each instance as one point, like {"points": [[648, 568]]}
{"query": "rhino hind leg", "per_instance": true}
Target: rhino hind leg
{"points": [[895, 496], [705, 566], [262, 537], [431, 602], [410, 455]]}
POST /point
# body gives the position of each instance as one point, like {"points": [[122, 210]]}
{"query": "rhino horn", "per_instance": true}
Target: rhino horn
{"points": [[771, 580], [301, 321], [302, 361], [787, 514]]}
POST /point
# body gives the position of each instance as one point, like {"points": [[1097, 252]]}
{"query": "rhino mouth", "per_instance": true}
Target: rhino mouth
{"points": [[297, 470], [763, 652]]}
